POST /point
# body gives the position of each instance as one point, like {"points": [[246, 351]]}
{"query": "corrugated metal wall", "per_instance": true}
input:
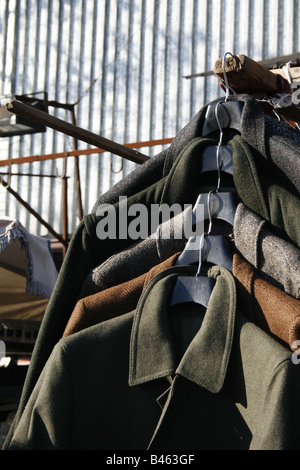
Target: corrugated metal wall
{"points": [[123, 62]]}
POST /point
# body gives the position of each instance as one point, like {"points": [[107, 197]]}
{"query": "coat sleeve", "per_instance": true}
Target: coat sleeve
{"points": [[46, 422]]}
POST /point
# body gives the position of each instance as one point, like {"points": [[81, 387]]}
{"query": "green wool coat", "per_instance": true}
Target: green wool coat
{"points": [[167, 378]]}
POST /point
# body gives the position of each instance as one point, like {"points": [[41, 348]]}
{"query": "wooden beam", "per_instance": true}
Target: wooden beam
{"points": [[248, 76], [275, 63], [245, 75], [294, 73], [84, 135]]}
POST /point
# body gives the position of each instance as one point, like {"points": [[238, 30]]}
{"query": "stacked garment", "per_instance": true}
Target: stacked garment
{"points": [[116, 366]]}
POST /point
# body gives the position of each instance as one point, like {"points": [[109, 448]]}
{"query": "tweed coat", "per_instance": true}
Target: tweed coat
{"points": [[114, 301], [275, 258], [270, 308]]}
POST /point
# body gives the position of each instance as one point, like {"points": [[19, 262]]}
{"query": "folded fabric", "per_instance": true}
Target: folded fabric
{"points": [[276, 259], [27, 254], [112, 302], [270, 308]]}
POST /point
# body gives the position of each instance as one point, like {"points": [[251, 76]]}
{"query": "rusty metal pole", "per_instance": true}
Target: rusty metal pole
{"points": [[65, 213], [64, 179], [77, 172]]}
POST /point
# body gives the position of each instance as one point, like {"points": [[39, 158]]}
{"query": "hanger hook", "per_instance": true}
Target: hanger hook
{"points": [[228, 88], [118, 171], [209, 211], [202, 239], [9, 175], [65, 167], [201, 245], [6, 184], [219, 145]]}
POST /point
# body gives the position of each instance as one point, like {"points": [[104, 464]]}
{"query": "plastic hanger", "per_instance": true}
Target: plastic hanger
{"points": [[224, 203], [214, 248], [217, 205], [230, 114], [218, 162], [210, 248], [215, 251], [196, 288], [222, 206], [206, 247], [192, 289], [208, 162], [230, 117]]}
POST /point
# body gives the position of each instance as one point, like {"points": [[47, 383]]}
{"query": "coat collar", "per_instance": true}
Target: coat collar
{"points": [[205, 361]]}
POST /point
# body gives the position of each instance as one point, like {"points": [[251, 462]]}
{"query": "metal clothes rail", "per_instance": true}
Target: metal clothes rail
{"points": [[76, 153]]}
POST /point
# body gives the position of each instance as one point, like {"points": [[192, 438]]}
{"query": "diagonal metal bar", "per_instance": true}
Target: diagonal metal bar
{"points": [[77, 132], [33, 212]]}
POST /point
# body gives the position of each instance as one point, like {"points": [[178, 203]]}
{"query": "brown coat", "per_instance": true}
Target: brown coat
{"points": [[265, 305], [112, 302]]}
